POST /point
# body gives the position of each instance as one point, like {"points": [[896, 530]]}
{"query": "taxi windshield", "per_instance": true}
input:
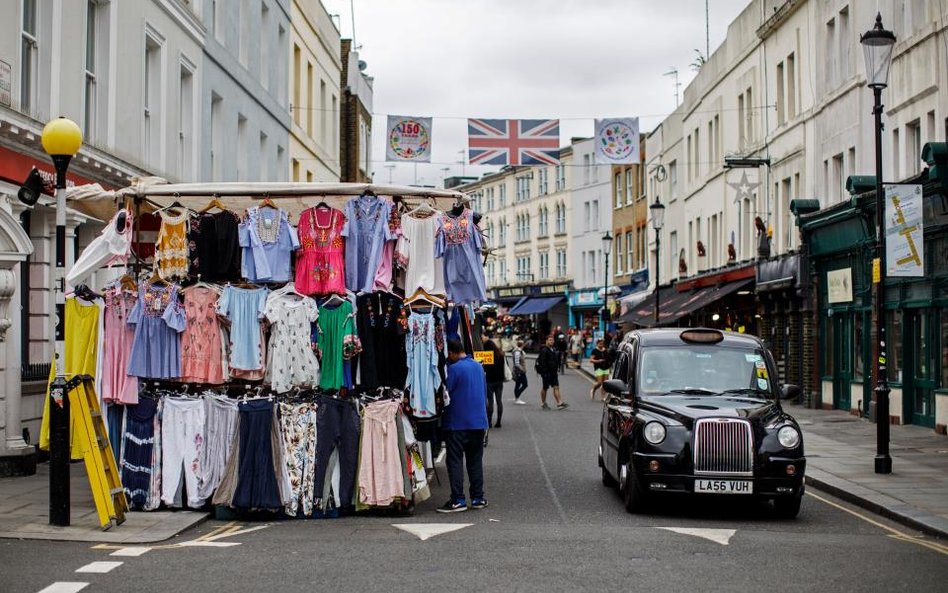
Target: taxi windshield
{"points": [[703, 369]]}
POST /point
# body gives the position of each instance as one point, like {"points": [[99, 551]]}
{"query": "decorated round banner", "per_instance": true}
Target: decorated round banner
{"points": [[409, 139], [617, 141]]}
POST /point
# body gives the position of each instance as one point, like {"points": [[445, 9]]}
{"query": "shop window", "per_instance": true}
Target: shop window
{"points": [[894, 339], [829, 344], [944, 349], [858, 353]]}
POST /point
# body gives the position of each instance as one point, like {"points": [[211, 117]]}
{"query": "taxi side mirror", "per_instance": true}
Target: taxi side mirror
{"points": [[616, 387], [789, 391]]}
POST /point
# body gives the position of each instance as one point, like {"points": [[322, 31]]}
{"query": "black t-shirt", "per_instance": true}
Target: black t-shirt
{"points": [[599, 354]]}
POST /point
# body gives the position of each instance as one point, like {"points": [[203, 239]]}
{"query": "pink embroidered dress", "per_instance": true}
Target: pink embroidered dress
{"points": [[117, 384], [201, 346], [320, 262]]}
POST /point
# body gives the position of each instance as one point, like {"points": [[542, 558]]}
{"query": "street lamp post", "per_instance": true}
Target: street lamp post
{"points": [[606, 249], [61, 140], [658, 221], [878, 44]]}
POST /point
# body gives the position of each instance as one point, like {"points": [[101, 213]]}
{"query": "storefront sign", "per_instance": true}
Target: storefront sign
{"points": [[6, 83], [839, 286], [506, 293], [484, 356], [554, 288], [904, 243], [586, 298]]}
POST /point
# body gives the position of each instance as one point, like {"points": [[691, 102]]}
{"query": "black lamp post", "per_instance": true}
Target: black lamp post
{"points": [[658, 221], [61, 140], [606, 249], [878, 44]]}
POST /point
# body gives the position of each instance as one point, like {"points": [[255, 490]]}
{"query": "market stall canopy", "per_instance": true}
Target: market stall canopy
{"points": [[293, 197], [535, 305], [674, 305]]}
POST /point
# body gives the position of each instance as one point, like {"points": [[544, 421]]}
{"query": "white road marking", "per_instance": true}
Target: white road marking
{"points": [[65, 587], [719, 536], [207, 544], [100, 567], [132, 551], [546, 475], [428, 530]]}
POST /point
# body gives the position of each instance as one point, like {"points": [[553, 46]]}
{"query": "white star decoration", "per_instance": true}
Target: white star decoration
{"points": [[744, 188]]}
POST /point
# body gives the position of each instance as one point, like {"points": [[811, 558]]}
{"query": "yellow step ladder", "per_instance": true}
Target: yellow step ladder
{"points": [[104, 478]]}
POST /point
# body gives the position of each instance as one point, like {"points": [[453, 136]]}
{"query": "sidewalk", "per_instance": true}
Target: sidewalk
{"points": [[840, 452], [24, 513]]}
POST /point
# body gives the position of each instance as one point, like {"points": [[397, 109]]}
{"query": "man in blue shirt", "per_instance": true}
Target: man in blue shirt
{"points": [[464, 423]]}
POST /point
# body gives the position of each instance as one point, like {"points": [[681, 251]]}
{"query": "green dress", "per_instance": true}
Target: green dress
{"points": [[335, 323]]}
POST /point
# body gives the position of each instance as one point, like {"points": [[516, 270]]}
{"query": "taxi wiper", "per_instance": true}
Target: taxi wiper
{"points": [[746, 390], [693, 391]]}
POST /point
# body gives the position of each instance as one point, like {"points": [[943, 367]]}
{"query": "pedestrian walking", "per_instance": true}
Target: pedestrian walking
{"points": [[600, 361], [561, 347], [547, 366], [464, 424], [519, 372], [495, 385], [576, 346]]}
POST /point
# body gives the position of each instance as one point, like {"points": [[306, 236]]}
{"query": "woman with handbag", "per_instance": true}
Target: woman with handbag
{"points": [[495, 383]]}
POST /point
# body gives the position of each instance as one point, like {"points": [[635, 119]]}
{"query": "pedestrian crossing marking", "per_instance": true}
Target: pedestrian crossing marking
{"points": [[100, 567], [65, 587], [131, 551], [719, 536], [424, 531]]}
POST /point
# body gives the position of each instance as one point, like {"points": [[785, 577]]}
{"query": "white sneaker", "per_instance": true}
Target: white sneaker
{"points": [[519, 402]]}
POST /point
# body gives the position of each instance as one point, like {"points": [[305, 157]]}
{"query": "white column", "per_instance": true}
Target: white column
{"points": [[10, 338]]}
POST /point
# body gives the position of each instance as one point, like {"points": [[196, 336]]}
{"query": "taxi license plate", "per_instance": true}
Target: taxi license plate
{"points": [[724, 486]]}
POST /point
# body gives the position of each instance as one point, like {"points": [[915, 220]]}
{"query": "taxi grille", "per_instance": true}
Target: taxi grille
{"points": [[723, 446]]}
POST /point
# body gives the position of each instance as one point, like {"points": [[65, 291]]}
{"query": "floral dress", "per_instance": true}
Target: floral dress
{"points": [[459, 244], [159, 320], [201, 345], [321, 262], [292, 360]]}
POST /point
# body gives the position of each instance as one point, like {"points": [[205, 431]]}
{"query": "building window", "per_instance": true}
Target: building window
{"points": [[28, 58], [310, 115], [502, 195], [265, 46], [185, 122], [544, 265], [323, 113], [781, 104], [242, 157], [503, 231], [216, 23], [587, 213], [617, 188], [297, 78], [595, 215], [543, 175], [673, 178], [586, 163], [89, 98], [844, 44], [243, 32], [913, 147], [216, 140], [629, 251], [620, 256], [629, 186], [791, 86], [152, 110], [640, 256], [544, 221], [561, 177], [264, 172], [503, 269], [839, 178], [560, 263], [560, 218]]}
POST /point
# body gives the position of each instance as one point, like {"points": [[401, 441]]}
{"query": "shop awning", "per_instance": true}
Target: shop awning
{"points": [[535, 305], [674, 305]]}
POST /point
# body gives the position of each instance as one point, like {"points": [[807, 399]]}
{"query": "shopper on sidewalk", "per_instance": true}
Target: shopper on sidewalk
{"points": [[561, 347], [547, 366], [600, 361], [495, 384], [576, 346], [519, 372], [464, 423]]}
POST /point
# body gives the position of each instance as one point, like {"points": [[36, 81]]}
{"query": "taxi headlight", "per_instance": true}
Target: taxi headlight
{"points": [[654, 432], [789, 437]]}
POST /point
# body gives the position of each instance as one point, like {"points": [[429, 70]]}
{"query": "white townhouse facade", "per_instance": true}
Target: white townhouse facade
{"points": [[526, 222], [788, 84]]}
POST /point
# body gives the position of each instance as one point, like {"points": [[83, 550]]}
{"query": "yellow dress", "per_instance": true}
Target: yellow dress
{"points": [[80, 351]]}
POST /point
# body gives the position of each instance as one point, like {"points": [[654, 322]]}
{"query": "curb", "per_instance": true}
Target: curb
{"points": [[876, 502], [113, 535]]}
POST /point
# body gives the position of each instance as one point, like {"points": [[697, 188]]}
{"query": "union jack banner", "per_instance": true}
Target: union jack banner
{"points": [[513, 141]]}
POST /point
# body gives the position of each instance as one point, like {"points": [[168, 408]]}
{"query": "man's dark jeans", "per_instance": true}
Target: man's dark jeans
{"points": [[465, 445]]}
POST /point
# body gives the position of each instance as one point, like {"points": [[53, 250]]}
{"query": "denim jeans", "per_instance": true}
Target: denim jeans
{"points": [[465, 445], [337, 428], [520, 384]]}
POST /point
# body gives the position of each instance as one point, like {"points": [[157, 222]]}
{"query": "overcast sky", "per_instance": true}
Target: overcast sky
{"points": [[575, 60]]}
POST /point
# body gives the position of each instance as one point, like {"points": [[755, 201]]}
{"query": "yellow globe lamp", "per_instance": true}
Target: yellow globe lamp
{"points": [[61, 136]]}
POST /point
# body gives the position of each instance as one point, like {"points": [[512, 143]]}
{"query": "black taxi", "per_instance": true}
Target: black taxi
{"points": [[697, 411]]}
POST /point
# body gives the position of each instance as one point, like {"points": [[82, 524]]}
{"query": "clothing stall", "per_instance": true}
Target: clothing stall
{"points": [[274, 346]]}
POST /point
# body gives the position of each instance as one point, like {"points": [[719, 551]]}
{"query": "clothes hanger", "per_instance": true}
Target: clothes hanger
{"points": [[214, 203], [423, 208], [175, 204], [128, 283], [288, 288], [268, 203], [156, 279], [85, 293], [423, 295]]}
